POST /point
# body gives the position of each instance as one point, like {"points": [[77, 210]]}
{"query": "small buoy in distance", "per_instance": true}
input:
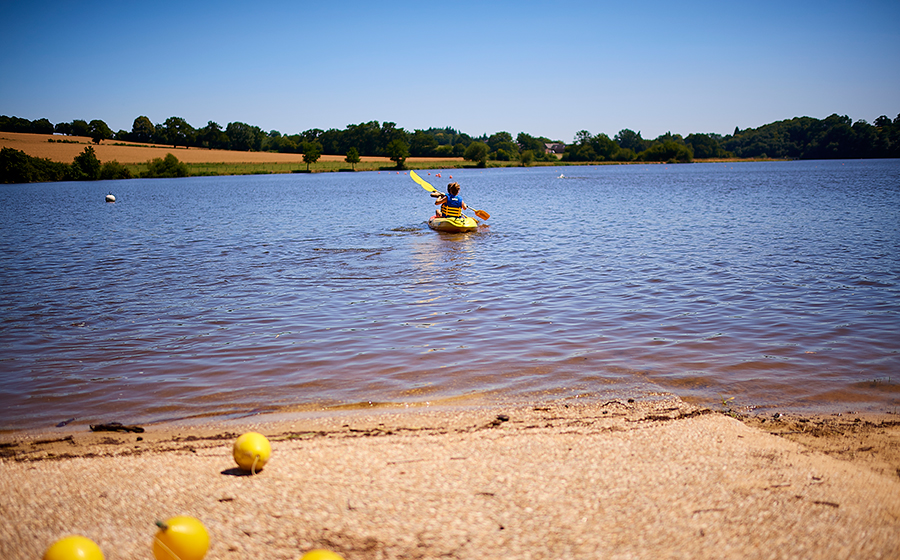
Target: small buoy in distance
{"points": [[180, 538], [321, 554], [252, 452], [110, 197], [74, 547]]}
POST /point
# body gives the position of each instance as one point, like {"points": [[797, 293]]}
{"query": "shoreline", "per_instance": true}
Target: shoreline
{"points": [[834, 434], [650, 478], [63, 149]]}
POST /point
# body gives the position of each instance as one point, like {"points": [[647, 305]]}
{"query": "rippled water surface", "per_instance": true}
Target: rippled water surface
{"points": [[777, 284]]}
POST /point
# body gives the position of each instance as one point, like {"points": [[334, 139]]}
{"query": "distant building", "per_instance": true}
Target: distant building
{"points": [[554, 148]]}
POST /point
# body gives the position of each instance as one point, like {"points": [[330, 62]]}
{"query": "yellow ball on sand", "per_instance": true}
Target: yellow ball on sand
{"points": [[74, 547], [320, 554], [180, 538], [252, 451]]}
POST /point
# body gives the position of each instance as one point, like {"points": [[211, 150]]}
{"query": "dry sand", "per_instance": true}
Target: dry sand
{"points": [[647, 479], [37, 145]]}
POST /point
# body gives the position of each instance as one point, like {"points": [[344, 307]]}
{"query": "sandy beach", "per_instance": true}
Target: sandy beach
{"points": [[653, 478]]}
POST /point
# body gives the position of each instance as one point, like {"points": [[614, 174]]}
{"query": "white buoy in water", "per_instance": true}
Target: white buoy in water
{"points": [[110, 198]]}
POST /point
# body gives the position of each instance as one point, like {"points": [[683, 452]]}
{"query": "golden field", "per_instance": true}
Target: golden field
{"points": [[64, 149]]}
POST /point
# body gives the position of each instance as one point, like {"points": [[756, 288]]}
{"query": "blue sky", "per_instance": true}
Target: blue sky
{"points": [[546, 68]]}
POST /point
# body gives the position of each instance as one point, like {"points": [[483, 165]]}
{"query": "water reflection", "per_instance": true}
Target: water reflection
{"points": [[763, 281]]}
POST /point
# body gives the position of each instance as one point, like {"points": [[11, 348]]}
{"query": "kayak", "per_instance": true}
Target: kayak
{"points": [[453, 225]]}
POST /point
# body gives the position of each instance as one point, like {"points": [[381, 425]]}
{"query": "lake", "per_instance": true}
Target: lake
{"points": [[774, 284]]}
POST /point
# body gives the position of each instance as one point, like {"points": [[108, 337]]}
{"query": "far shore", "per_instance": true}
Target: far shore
{"points": [[63, 149]]}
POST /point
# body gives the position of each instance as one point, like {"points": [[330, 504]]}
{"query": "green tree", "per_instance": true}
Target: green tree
{"points": [[99, 131], [178, 132], [526, 158], [625, 154], [398, 151], [705, 146], [604, 147], [14, 124], [667, 151], [477, 152], [528, 142], [85, 167], [42, 126], [582, 137], [628, 139], [142, 130], [114, 170], [279, 143], [590, 148], [18, 167], [333, 142], [365, 137], [352, 158], [79, 128], [446, 136], [389, 133], [311, 135], [244, 137], [168, 166], [422, 144], [212, 137], [580, 152], [312, 151], [499, 140], [507, 151]]}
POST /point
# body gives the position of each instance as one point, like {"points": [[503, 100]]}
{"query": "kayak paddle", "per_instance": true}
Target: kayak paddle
{"points": [[425, 185]]}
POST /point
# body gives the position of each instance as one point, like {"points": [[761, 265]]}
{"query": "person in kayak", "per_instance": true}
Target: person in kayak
{"points": [[451, 206]]}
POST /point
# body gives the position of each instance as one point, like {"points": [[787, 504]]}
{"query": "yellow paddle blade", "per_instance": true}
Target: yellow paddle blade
{"points": [[425, 185], [422, 182]]}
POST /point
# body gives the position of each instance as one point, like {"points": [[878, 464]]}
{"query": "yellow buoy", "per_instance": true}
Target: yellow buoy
{"points": [[321, 554], [180, 538], [252, 452], [74, 547]]}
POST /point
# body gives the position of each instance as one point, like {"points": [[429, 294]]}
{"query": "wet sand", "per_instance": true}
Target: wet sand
{"points": [[617, 479]]}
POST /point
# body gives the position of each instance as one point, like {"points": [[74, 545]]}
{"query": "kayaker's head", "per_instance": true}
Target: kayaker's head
{"points": [[453, 189]]}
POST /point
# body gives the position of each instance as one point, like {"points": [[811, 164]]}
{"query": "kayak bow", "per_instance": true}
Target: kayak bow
{"points": [[453, 225]]}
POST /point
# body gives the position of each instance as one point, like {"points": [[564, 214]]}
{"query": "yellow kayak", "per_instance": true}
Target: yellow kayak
{"points": [[453, 225]]}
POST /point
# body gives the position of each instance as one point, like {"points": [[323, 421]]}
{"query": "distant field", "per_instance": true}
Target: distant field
{"points": [[65, 148], [224, 162]]}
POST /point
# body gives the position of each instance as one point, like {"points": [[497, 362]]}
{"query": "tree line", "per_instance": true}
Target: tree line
{"points": [[835, 137], [18, 167], [798, 138]]}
